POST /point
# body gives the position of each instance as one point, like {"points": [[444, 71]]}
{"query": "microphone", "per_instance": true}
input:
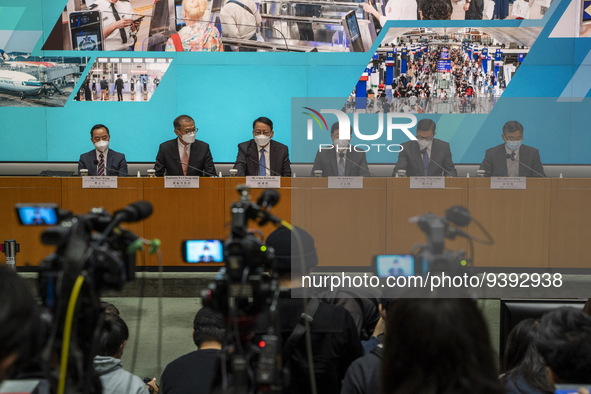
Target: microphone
{"points": [[268, 199], [197, 169], [512, 157], [135, 212], [448, 173], [247, 157], [95, 162], [341, 154]]}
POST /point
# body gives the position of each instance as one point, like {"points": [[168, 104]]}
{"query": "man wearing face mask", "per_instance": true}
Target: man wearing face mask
{"points": [[102, 161], [341, 159], [184, 155], [512, 158], [428, 156], [262, 155]]}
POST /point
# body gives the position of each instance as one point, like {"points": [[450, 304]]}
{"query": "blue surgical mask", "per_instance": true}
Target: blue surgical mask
{"points": [[513, 145]]}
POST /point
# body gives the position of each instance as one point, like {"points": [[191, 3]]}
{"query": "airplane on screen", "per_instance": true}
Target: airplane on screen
{"points": [[23, 83], [41, 65]]}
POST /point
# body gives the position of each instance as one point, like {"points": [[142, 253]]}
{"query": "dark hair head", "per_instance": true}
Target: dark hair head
{"points": [[21, 331], [438, 345], [335, 127], [289, 259], [113, 334], [182, 118], [426, 125], [109, 308], [98, 126], [208, 326], [436, 9], [264, 120], [512, 126], [522, 360], [565, 344]]}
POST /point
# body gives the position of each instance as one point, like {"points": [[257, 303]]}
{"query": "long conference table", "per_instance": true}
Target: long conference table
{"points": [[546, 225]]}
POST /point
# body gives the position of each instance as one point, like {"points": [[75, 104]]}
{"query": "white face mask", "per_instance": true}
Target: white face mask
{"points": [[101, 146], [262, 140], [189, 138], [341, 144], [424, 143]]}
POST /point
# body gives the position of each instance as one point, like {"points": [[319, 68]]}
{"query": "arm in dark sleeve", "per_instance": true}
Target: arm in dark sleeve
{"points": [[208, 166], [317, 165], [122, 166], [81, 165], [487, 165], [286, 165], [402, 162], [448, 163], [160, 166], [240, 163], [537, 164], [351, 383]]}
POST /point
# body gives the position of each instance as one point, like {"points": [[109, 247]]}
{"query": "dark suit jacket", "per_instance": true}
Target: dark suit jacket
{"points": [[115, 165], [326, 160], [168, 161], [411, 160], [247, 161], [495, 161]]}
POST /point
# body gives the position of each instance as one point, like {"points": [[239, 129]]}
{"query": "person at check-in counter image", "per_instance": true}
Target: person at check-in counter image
{"points": [[196, 36], [428, 156], [341, 159], [184, 155], [262, 155], [512, 158], [395, 10], [101, 160]]}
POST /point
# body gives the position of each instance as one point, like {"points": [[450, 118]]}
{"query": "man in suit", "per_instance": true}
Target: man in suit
{"points": [[341, 160], [261, 155], [512, 158], [428, 156], [102, 160], [184, 155]]}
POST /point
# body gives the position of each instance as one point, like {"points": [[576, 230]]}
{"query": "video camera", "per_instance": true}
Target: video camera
{"points": [[92, 254], [240, 293]]}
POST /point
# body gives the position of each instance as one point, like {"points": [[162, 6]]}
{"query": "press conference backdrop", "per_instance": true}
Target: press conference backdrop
{"points": [[225, 92]]}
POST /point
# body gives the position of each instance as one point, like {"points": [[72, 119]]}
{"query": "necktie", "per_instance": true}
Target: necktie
{"points": [[262, 163], [341, 164], [425, 162], [185, 160], [101, 165], [117, 17]]}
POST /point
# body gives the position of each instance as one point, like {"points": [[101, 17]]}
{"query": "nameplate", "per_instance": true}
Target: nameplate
{"points": [[507, 182], [181, 182], [427, 182], [99, 182], [263, 182], [345, 182]]}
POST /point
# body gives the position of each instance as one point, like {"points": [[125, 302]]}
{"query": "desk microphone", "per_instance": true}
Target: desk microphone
{"points": [[424, 150], [512, 157], [247, 157], [346, 157], [197, 169], [107, 169]]}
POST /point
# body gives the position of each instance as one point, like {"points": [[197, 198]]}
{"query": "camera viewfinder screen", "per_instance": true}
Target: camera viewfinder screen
{"points": [[37, 215], [204, 251], [395, 265]]}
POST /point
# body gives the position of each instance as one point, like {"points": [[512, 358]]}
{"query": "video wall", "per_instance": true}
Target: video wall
{"points": [[51, 95]]}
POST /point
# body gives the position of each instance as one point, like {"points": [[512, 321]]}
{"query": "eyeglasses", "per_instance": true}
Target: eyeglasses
{"points": [[194, 130], [424, 138], [258, 132]]}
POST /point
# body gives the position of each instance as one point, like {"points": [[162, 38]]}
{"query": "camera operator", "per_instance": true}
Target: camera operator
{"points": [[334, 337], [20, 332]]}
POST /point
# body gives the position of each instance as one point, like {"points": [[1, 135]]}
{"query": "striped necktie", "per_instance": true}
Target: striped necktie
{"points": [[101, 165]]}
